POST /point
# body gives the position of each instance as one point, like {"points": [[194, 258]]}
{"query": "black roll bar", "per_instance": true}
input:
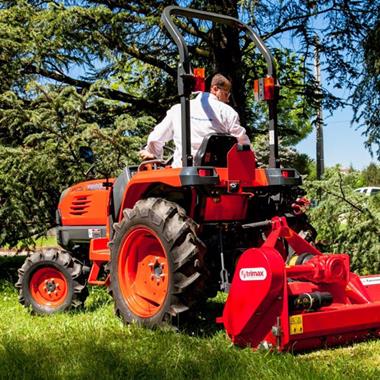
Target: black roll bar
{"points": [[184, 73]]}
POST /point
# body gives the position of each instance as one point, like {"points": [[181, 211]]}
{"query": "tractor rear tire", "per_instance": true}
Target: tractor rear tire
{"points": [[157, 263], [52, 281]]}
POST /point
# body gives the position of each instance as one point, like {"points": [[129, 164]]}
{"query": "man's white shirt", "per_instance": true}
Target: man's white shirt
{"points": [[207, 115]]}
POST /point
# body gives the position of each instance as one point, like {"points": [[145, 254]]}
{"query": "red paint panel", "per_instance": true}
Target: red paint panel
{"points": [[226, 207], [241, 165]]}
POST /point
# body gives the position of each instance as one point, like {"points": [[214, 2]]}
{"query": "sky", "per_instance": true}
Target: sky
{"points": [[343, 143]]}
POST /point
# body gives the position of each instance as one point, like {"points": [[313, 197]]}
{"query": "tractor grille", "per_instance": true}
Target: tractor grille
{"points": [[79, 205]]}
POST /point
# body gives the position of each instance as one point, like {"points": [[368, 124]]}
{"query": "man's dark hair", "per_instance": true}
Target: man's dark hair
{"points": [[220, 81], [217, 79]]}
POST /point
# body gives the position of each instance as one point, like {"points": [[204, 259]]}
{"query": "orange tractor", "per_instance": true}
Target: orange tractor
{"points": [[165, 239]]}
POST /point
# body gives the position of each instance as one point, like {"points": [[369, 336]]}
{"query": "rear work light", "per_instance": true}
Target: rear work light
{"points": [[200, 83], [264, 88]]}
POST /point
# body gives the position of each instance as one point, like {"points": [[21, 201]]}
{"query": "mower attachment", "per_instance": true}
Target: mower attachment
{"points": [[303, 302]]}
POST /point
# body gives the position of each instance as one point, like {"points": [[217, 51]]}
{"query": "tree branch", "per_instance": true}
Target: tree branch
{"points": [[109, 93], [301, 18], [147, 58], [122, 4]]}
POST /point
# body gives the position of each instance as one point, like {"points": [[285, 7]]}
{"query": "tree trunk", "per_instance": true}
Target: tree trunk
{"points": [[227, 56]]}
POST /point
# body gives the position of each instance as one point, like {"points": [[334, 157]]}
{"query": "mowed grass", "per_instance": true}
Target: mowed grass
{"points": [[94, 344]]}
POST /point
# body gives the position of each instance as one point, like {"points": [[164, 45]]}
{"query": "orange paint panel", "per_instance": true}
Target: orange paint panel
{"points": [[142, 180], [99, 250], [85, 204], [260, 178], [168, 176]]}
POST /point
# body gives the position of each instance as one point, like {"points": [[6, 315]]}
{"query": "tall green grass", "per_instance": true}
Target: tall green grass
{"points": [[94, 344]]}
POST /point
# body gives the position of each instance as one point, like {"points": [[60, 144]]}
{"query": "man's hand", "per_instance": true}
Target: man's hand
{"points": [[145, 155]]}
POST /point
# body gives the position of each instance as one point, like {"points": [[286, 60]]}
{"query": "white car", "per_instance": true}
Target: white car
{"points": [[372, 190]]}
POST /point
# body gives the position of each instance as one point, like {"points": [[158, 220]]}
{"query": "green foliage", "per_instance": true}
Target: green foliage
{"points": [[346, 222], [290, 157], [366, 95], [95, 344], [40, 156], [97, 299], [122, 46], [371, 175], [295, 108], [97, 72]]}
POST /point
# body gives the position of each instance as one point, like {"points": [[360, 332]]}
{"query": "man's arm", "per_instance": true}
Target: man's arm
{"points": [[236, 130], [162, 133]]}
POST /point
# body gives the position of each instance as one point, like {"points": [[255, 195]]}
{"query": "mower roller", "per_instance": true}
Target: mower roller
{"points": [[166, 239]]}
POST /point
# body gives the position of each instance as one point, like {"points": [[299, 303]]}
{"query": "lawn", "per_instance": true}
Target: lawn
{"points": [[41, 242], [94, 344]]}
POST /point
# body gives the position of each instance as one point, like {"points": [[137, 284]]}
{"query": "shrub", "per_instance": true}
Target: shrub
{"points": [[347, 222]]}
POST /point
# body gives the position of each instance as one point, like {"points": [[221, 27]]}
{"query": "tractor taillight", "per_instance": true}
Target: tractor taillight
{"points": [[264, 88], [200, 83], [288, 173], [205, 172]]}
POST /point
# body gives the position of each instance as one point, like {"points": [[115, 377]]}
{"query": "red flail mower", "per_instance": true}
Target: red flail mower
{"points": [[165, 239], [309, 301]]}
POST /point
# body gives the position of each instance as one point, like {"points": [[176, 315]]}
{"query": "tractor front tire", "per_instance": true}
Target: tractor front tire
{"points": [[157, 266], [51, 281]]}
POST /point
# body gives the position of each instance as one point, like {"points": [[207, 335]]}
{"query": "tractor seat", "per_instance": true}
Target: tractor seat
{"points": [[213, 150]]}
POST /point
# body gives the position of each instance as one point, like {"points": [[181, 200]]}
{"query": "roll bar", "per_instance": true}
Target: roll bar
{"points": [[184, 74]]}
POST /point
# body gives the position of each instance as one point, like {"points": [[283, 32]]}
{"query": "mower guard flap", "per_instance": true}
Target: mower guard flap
{"points": [[255, 298]]}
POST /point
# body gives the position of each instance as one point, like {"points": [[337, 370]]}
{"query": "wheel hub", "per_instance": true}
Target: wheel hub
{"points": [[51, 286], [48, 286], [157, 270]]}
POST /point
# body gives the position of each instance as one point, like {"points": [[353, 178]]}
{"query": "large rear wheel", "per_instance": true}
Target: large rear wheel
{"points": [[157, 266], [51, 281]]}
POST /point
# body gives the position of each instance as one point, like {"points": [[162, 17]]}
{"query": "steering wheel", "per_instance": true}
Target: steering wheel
{"points": [[158, 163]]}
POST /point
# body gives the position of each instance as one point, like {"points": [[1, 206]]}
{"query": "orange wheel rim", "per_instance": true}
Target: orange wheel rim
{"points": [[143, 272], [48, 287]]}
